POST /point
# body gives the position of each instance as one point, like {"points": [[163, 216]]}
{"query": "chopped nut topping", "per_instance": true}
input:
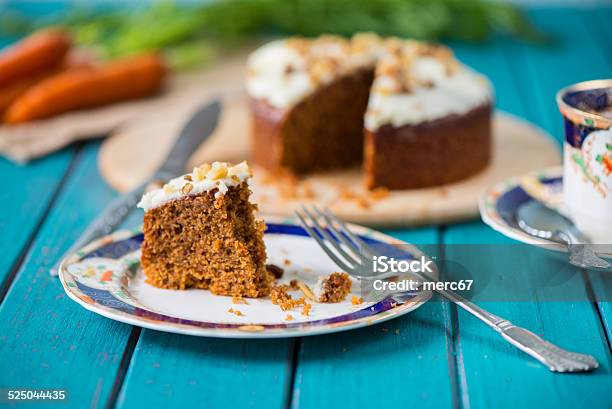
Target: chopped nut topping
{"points": [[188, 178], [187, 188], [217, 173], [306, 291]]}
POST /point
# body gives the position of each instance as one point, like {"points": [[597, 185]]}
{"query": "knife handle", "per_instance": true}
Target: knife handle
{"points": [[107, 221]]}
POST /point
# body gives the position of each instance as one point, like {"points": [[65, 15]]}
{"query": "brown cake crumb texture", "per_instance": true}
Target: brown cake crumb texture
{"points": [[335, 288], [281, 297], [200, 241]]}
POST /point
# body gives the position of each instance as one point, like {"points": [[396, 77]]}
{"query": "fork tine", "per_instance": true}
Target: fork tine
{"points": [[342, 264], [356, 261], [354, 248], [343, 228]]}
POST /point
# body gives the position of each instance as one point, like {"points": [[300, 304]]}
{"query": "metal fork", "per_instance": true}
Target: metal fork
{"points": [[354, 255]]}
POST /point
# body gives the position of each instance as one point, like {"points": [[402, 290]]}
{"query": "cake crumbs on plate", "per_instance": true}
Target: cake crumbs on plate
{"points": [[289, 317], [287, 262], [293, 284], [306, 309], [239, 300], [356, 300], [280, 296], [333, 288], [379, 193], [235, 312]]}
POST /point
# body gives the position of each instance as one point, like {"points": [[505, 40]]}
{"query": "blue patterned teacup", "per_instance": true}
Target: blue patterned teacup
{"points": [[587, 172]]}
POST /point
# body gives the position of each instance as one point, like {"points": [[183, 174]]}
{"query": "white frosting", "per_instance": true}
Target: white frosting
{"points": [[267, 77], [283, 72], [457, 93], [204, 178], [414, 82]]}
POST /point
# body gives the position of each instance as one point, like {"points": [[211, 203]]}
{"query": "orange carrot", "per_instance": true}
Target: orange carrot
{"points": [[121, 80], [37, 52], [10, 92]]}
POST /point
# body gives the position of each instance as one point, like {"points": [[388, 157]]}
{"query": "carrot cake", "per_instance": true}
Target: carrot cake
{"points": [[409, 112], [200, 231]]}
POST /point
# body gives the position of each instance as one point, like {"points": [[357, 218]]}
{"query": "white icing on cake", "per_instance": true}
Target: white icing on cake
{"points": [[204, 178], [414, 81], [457, 93], [283, 72]]}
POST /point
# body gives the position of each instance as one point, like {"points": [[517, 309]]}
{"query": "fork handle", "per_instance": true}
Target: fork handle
{"points": [[555, 358]]}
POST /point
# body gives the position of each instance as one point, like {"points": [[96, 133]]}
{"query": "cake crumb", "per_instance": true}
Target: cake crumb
{"points": [[293, 284], [356, 300], [308, 192], [280, 297], [306, 309], [287, 262], [275, 270], [283, 299], [238, 300], [289, 317], [333, 288], [363, 203], [235, 312], [379, 193]]}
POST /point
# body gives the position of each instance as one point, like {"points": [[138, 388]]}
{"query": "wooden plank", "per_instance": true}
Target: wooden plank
{"points": [[198, 371], [47, 340], [495, 374], [492, 373], [169, 370], [385, 365], [24, 199]]}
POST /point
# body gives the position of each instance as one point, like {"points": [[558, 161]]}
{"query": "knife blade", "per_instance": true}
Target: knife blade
{"points": [[199, 127]]}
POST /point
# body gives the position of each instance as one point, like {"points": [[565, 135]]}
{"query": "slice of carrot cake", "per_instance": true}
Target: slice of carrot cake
{"points": [[200, 231]]}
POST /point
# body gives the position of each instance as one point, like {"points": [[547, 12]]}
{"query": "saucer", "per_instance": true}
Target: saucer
{"points": [[500, 204]]}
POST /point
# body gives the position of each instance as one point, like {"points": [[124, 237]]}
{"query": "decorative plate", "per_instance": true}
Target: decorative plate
{"points": [[499, 205], [105, 277]]}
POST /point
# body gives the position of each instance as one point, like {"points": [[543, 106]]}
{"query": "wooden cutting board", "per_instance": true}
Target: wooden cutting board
{"points": [[131, 155]]}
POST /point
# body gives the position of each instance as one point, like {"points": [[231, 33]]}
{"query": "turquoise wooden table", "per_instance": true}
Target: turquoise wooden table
{"points": [[437, 356]]}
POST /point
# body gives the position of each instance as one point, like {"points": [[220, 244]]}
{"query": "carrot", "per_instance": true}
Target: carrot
{"points": [[10, 92], [130, 78], [37, 52]]}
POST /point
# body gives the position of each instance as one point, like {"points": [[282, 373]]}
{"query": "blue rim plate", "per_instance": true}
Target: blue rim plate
{"points": [[499, 205], [105, 277]]}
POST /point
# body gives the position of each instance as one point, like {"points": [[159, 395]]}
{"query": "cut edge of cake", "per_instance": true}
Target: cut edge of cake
{"points": [[200, 231]]}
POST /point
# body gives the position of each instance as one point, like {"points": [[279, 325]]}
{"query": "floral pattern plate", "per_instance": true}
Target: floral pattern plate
{"points": [[105, 277], [499, 205]]}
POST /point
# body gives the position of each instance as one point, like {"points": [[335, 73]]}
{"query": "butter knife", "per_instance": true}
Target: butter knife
{"points": [[199, 127]]}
